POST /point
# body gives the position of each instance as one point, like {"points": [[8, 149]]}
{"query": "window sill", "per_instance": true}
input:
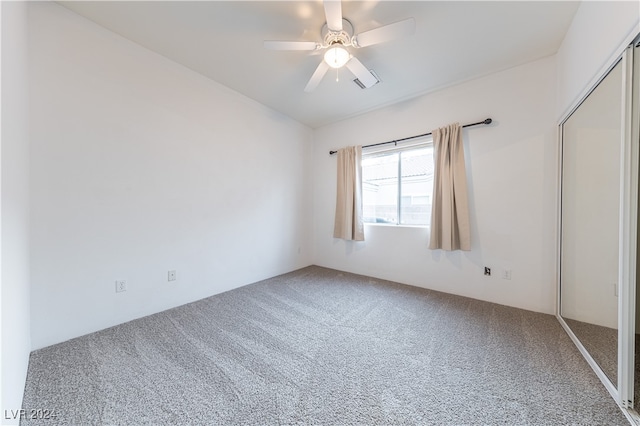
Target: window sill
{"points": [[393, 225]]}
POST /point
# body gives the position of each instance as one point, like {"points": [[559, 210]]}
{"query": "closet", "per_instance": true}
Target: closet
{"points": [[598, 300]]}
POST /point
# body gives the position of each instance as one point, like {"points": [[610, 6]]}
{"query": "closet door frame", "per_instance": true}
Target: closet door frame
{"points": [[628, 237]]}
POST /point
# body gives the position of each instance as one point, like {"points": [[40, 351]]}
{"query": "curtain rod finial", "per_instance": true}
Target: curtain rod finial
{"points": [[487, 121]]}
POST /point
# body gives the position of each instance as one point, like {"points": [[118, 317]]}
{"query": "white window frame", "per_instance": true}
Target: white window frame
{"points": [[426, 142]]}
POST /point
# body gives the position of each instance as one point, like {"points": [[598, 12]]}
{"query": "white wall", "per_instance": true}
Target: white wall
{"points": [[512, 176], [140, 166], [14, 166], [597, 35]]}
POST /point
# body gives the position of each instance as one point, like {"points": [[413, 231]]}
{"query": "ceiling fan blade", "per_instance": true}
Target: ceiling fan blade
{"points": [[386, 33], [317, 77], [361, 72], [290, 45], [333, 12]]}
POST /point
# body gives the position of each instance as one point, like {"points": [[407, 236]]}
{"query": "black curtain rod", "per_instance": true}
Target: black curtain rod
{"points": [[487, 121]]}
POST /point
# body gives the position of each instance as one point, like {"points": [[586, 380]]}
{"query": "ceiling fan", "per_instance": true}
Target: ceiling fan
{"points": [[337, 35]]}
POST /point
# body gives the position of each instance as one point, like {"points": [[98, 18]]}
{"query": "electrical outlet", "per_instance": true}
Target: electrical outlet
{"points": [[506, 274], [487, 271], [171, 275], [121, 285]]}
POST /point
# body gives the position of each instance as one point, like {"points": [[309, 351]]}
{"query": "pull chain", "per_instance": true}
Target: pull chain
{"points": [[337, 74]]}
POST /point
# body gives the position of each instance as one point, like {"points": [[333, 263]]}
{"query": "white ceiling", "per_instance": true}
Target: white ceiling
{"points": [[223, 40]]}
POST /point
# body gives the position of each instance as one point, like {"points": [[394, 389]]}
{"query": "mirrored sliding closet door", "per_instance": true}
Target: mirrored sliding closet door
{"points": [[598, 225]]}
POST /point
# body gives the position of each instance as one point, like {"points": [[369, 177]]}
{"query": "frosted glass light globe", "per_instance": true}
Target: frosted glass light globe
{"points": [[336, 57]]}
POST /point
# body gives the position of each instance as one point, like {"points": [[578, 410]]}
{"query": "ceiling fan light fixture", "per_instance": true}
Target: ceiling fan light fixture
{"points": [[336, 56]]}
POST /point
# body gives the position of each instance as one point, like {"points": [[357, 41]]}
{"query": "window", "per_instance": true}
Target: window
{"points": [[397, 186]]}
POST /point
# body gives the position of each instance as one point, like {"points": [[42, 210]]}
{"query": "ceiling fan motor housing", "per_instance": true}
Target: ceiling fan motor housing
{"points": [[343, 37]]}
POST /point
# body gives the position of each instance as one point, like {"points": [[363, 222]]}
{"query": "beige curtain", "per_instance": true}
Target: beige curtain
{"points": [[450, 210], [349, 224]]}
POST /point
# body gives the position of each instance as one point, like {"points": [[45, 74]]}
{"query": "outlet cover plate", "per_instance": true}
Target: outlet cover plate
{"points": [[121, 285]]}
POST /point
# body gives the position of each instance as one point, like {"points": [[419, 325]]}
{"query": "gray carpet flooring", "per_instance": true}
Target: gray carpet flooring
{"points": [[318, 346], [601, 343]]}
